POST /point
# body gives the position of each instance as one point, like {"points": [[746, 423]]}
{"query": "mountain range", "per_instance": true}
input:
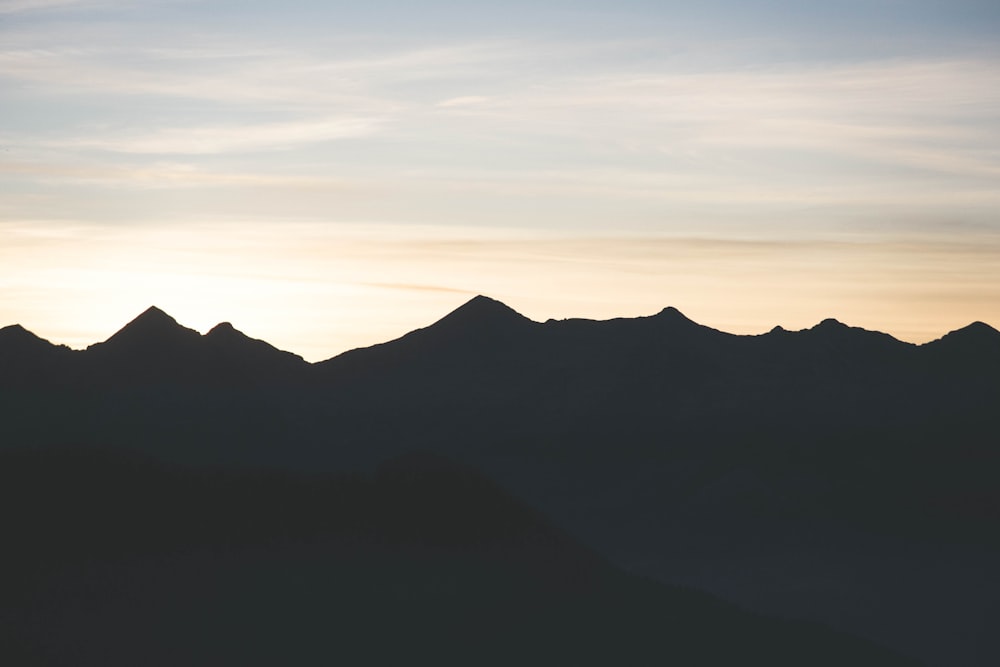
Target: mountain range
{"points": [[833, 474]]}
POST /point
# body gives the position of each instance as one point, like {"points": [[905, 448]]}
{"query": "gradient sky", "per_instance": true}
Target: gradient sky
{"points": [[329, 175]]}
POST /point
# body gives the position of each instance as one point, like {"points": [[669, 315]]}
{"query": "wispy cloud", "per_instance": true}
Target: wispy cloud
{"points": [[228, 69], [228, 138], [160, 175], [418, 288]]}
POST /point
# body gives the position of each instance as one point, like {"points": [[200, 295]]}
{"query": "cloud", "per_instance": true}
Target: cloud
{"points": [[227, 68], [168, 175], [228, 138], [558, 133]]}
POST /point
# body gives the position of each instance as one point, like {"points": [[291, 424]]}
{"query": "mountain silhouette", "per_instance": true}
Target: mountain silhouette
{"points": [[972, 345], [835, 335], [831, 474], [255, 359], [15, 339], [153, 348], [977, 333], [159, 566], [482, 315], [27, 360], [153, 331]]}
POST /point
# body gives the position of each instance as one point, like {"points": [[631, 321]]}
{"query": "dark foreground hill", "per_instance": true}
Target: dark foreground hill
{"points": [[117, 561], [834, 473]]}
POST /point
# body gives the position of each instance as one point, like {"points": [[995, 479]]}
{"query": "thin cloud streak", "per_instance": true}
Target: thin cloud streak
{"points": [[418, 288], [229, 139], [168, 175], [247, 72]]}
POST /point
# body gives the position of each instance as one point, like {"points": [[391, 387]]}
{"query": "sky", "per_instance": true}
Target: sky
{"points": [[330, 175]]}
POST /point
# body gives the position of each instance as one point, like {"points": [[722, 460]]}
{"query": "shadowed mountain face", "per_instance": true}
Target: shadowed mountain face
{"points": [[153, 332], [834, 473], [121, 562], [26, 358], [151, 350]]}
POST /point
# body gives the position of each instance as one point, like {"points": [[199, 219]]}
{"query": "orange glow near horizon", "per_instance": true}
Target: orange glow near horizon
{"points": [[318, 290]]}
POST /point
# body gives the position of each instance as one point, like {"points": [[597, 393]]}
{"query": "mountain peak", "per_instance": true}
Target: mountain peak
{"points": [[224, 330], [980, 329], [830, 324], [153, 327], [151, 319], [16, 331], [21, 338], [671, 314], [154, 314], [483, 312], [485, 304], [229, 343], [977, 333], [832, 329]]}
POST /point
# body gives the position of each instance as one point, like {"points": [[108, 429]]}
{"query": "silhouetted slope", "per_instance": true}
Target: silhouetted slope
{"points": [[152, 348], [970, 350], [481, 316], [254, 359], [480, 334], [978, 335], [15, 339], [119, 562], [683, 452], [152, 332], [28, 360], [485, 382], [834, 340], [155, 349]]}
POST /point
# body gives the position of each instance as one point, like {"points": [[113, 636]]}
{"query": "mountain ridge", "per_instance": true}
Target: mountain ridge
{"points": [[662, 444], [480, 316]]}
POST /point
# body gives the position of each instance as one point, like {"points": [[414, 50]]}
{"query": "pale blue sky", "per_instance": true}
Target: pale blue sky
{"points": [[778, 162]]}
